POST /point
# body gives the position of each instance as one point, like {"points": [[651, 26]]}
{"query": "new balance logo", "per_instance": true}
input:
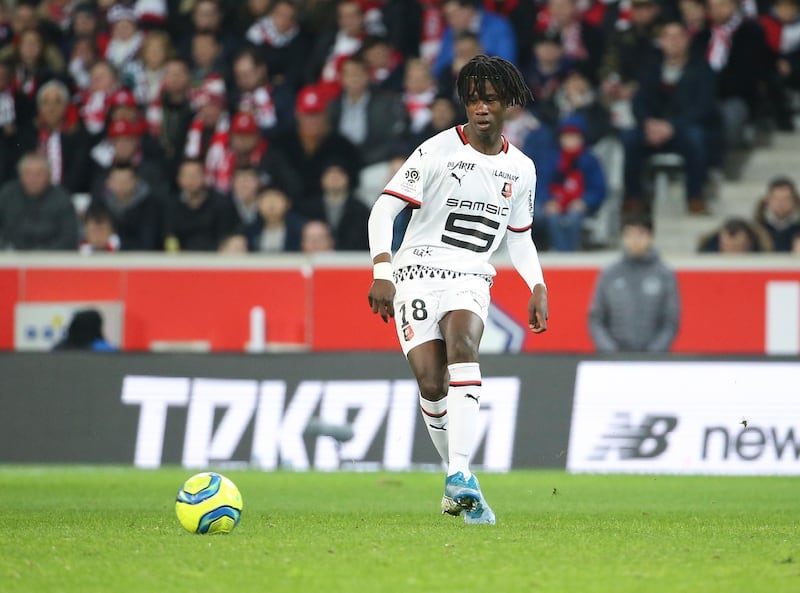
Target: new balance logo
{"points": [[644, 440]]}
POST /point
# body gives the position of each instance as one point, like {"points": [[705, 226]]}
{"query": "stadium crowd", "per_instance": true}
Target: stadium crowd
{"points": [[273, 125]]}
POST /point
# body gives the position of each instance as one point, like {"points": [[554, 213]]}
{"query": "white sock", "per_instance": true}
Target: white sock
{"points": [[435, 416], [463, 399]]}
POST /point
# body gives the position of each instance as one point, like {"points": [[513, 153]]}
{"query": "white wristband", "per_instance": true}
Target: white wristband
{"points": [[383, 271]]}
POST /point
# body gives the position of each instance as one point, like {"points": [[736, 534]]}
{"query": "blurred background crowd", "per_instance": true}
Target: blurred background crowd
{"points": [[273, 125]]}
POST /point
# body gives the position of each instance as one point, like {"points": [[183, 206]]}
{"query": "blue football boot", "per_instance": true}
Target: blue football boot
{"points": [[482, 514], [460, 494]]}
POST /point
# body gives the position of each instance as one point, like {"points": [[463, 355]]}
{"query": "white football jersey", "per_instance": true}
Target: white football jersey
{"points": [[464, 201]]}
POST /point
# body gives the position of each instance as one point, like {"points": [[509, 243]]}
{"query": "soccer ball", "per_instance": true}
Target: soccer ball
{"points": [[208, 503]]}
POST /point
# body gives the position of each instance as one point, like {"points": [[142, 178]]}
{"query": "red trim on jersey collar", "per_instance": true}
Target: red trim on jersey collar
{"points": [[463, 137], [521, 229], [394, 194]]}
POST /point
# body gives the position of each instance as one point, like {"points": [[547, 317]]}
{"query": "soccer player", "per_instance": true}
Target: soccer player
{"points": [[467, 186]]}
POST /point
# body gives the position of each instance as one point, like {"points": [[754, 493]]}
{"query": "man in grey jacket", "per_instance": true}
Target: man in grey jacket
{"points": [[34, 213], [636, 306]]}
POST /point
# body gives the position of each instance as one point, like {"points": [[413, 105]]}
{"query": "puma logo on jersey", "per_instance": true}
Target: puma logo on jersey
{"points": [[457, 178]]}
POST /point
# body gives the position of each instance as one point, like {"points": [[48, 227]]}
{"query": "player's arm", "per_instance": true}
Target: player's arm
{"points": [[526, 261], [380, 229]]}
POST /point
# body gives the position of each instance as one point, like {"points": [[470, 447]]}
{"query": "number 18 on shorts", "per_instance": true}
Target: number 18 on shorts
{"points": [[420, 305]]}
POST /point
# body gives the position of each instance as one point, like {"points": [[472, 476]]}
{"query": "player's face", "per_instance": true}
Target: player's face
{"points": [[486, 115]]}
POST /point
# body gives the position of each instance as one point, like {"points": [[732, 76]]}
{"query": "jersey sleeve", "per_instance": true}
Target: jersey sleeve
{"points": [[521, 218], [409, 180]]}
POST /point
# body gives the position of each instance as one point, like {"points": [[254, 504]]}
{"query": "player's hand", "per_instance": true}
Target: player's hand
{"points": [[381, 298], [538, 311]]}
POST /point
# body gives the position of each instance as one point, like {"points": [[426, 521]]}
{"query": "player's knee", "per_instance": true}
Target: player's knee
{"points": [[432, 388], [462, 349]]}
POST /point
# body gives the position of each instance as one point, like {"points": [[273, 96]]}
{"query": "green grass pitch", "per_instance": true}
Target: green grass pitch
{"points": [[109, 529]]}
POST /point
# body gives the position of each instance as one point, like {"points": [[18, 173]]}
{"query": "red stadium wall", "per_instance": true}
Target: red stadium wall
{"points": [[324, 308]]}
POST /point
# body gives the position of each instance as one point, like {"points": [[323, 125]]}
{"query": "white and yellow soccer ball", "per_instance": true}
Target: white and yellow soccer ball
{"points": [[209, 503]]}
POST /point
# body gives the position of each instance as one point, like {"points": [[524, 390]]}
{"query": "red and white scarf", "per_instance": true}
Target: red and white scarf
{"points": [[264, 33], [194, 138], [93, 111], [719, 47], [50, 146], [259, 103], [220, 165]]}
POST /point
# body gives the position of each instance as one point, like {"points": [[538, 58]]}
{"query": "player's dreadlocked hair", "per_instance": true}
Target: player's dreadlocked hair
{"points": [[505, 78]]}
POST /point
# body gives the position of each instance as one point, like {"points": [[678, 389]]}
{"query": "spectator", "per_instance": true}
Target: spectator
{"points": [[60, 137], [31, 67], [206, 17], [244, 146], [522, 17], [494, 32], [547, 69], [82, 58], [170, 116], [674, 109], [583, 43], [735, 236], [124, 146], [249, 13], [210, 126], [373, 122], [419, 89], [782, 28], [134, 208], [465, 47], [196, 216], [282, 42], [84, 25], [736, 49], [252, 93], [146, 73], [387, 66], [779, 213], [334, 45], [577, 96], [8, 119], [635, 306], [35, 214], [207, 59], [571, 186], [126, 39], [94, 102], [344, 214], [244, 195], [99, 235], [297, 159], [277, 228], [520, 124], [444, 114], [317, 237], [629, 51], [693, 14], [85, 332]]}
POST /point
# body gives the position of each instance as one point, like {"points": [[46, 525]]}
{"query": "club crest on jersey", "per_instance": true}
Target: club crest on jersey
{"points": [[506, 191], [408, 333]]}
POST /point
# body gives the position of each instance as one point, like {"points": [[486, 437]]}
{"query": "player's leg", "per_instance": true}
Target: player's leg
{"points": [[429, 364], [416, 321], [462, 331]]}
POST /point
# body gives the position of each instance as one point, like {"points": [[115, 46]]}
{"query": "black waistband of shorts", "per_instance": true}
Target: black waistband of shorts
{"points": [[427, 272]]}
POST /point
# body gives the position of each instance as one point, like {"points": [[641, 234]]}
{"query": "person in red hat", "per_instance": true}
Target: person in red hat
{"points": [[245, 146], [298, 156], [125, 143], [210, 125]]}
